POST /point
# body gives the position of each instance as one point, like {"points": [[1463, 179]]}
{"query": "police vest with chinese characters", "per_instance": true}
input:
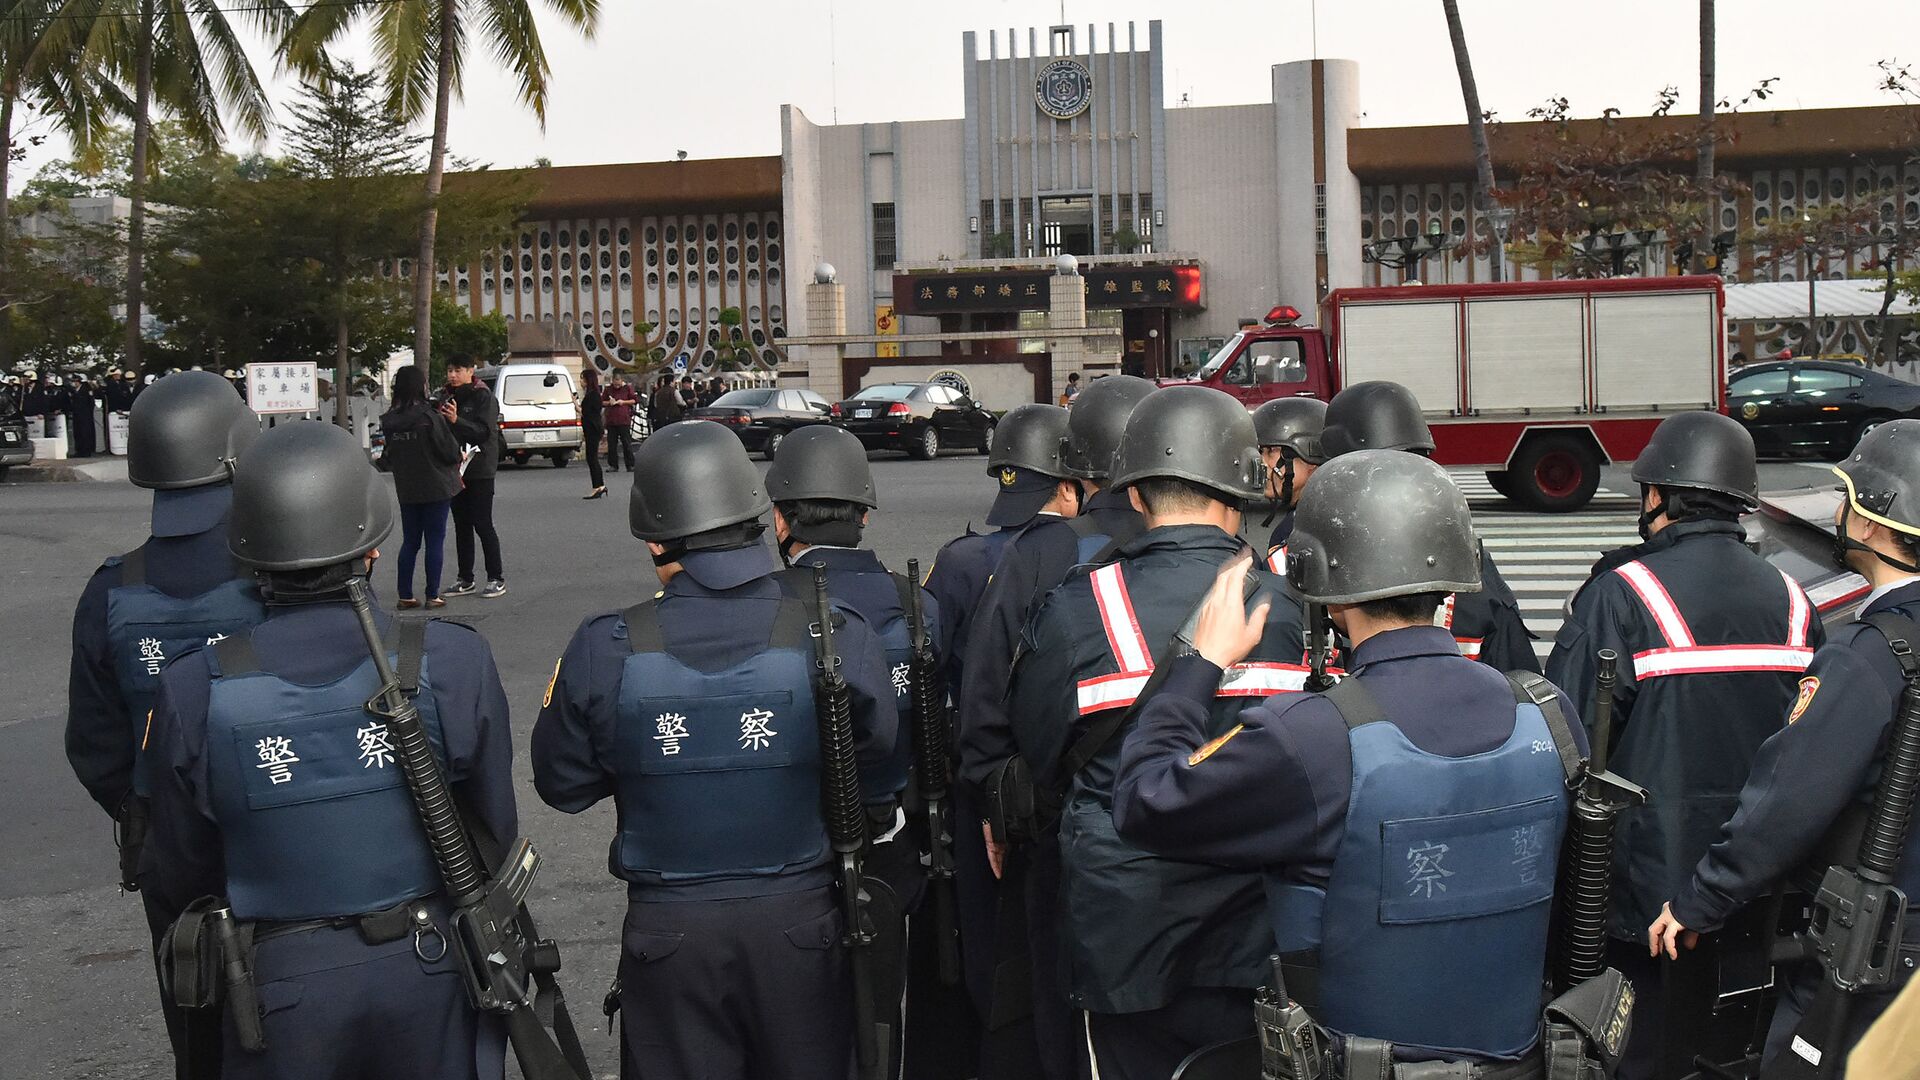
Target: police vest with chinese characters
{"points": [[717, 773], [309, 796], [146, 628]]}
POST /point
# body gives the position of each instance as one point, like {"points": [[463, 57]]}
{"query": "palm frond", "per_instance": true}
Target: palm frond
{"points": [[515, 40], [225, 60]]}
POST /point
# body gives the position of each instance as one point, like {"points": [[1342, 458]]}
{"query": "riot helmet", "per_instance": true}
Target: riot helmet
{"points": [[690, 478], [1379, 523], [304, 497], [1701, 451], [821, 462], [1293, 424], [1881, 482], [1096, 420], [1029, 437], [1375, 416], [187, 430], [1192, 433]]}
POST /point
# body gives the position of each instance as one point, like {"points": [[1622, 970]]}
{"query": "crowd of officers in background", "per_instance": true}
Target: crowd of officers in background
{"points": [[78, 406], [1067, 802]]}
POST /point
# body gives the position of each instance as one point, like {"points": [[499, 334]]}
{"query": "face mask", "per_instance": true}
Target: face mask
{"points": [[1646, 519], [1842, 544]]}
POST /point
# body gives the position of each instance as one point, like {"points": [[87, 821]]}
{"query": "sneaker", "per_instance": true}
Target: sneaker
{"points": [[460, 588], [494, 588]]}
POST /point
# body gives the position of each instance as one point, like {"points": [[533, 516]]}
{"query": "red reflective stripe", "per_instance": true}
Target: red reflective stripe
{"points": [[1654, 595], [1799, 612], [1129, 645], [1446, 615], [1720, 659], [1470, 646]]}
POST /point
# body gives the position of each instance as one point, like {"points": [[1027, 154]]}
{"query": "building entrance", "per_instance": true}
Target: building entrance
{"points": [[1067, 225]]}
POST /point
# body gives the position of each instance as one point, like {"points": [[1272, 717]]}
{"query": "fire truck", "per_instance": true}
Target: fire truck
{"points": [[1539, 383]]}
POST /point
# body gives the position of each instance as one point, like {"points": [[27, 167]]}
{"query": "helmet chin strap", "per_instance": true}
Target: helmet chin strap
{"points": [[1842, 544], [1285, 502]]}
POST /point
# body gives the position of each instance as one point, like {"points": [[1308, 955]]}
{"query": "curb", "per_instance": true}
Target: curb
{"points": [[64, 472]]}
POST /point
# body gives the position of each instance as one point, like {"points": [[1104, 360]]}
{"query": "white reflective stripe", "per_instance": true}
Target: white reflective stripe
{"points": [[1653, 594], [1799, 612], [1116, 617], [1720, 659], [1277, 560], [1470, 646], [1446, 613], [1110, 692], [1261, 678]]}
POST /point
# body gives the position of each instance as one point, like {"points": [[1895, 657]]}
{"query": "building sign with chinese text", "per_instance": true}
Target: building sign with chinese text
{"points": [[283, 388], [1176, 287]]}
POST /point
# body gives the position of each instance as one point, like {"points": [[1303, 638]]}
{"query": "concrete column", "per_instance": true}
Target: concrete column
{"points": [[1066, 310], [818, 367]]}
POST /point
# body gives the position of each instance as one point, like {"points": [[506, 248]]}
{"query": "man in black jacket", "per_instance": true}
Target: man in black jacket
{"points": [[475, 416]]}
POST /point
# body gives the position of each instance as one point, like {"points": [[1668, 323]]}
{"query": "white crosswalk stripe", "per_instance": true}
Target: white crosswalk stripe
{"points": [[1544, 557]]}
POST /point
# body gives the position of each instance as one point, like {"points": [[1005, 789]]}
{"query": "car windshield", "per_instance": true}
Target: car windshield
{"points": [[741, 399], [533, 390], [888, 392], [1219, 359]]}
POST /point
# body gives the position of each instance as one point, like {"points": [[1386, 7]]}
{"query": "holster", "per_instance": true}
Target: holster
{"points": [[1587, 1028], [1019, 808], [190, 958], [130, 833]]}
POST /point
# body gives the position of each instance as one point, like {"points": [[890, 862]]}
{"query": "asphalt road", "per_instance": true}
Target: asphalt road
{"points": [[80, 999]]}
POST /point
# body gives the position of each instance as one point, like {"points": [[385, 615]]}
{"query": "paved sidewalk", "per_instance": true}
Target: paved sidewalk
{"points": [[69, 471]]}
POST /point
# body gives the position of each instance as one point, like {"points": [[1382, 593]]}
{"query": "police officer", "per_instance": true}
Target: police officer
{"points": [[694, 712], [276, 789], [1486, 623], [1032, 564], [1408, 821], [1823, 766], [1712, 640], [1162, 955], [1289, 431], [1034, 485], [822, 492], [142, 609]]}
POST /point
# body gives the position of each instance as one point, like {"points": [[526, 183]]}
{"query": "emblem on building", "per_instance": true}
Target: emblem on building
{"points": [[952, 380], [1064, 89]]}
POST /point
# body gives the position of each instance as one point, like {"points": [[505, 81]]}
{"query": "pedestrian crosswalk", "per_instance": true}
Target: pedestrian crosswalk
{"points": [[1544, 557]]}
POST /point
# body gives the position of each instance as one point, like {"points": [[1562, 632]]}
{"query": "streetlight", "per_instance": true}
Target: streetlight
{"points": [[1813, 313]]}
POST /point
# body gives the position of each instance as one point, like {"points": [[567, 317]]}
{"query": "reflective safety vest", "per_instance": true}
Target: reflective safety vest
{"points": [[717, 773], [147, 627], [1432, 929], [308, 793], [1251, 678], [1683, 656]]}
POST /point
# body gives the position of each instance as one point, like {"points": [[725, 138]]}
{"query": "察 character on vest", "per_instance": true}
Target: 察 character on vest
{"points": [[694, 711], [1408, 821], [1163, 955], [1486, 623], [1032, 564], [139, 611], [1822, 768], [1289, 432], [1034, 485], [275, 788], [1713, 641], [822, 492]]}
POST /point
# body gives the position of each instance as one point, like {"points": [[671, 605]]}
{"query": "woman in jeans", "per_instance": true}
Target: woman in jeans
{"points": [[424, 458], [593, 425]]}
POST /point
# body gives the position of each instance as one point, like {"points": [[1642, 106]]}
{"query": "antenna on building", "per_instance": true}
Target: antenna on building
{"points": [[833, 65], [1313, 22]]}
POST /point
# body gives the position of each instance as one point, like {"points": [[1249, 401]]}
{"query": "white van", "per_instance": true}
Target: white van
{"points": [[539, 413]]}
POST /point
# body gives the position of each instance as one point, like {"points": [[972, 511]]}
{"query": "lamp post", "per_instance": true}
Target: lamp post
{"points": [[1813, 313]]}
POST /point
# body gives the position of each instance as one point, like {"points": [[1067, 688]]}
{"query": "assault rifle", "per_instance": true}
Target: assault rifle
{"points": [[1319, 649], [1586, 873], [932, 729], [493, 943]]}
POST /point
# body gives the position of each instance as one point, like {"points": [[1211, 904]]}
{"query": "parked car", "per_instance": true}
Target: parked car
{"points": [[1794, 532], [15, 447], [920, 418], [539, 413], [764, 416], [1819, 407]]}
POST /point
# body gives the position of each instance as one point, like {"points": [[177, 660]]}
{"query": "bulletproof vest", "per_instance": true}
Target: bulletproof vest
{"points": [[717, 773], [308, 793], [147, 627], [1432, 929]]}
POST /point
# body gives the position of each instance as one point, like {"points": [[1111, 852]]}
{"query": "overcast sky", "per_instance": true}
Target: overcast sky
{"points": [[709, 78]]}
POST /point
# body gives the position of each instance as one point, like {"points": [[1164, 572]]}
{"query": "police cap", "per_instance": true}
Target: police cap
{"points": [[304, 497]]}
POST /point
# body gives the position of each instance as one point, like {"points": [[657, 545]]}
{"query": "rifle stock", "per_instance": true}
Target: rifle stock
{"points": [[932, 727]]}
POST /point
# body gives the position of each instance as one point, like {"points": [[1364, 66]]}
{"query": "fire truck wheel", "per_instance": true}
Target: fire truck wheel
{"points": [[1555, 473]]}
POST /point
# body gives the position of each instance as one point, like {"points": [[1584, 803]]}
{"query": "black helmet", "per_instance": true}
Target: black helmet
{"points": [[1379, 523], [1882, 476], [1096, 420], [692, 477], [1294, 423], [821, 462], [187, 430], [304, 497], [1704, 451], [1375, 416], [1193, 433], [1029, 437]]}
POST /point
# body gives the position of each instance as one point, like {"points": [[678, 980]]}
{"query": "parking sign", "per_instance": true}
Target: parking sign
{"points": [[283, 388]]}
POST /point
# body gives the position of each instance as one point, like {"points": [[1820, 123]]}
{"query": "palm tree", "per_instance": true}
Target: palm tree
{"points": [[183, 57], [422, 45], [1477, 127], [1703, 160]]}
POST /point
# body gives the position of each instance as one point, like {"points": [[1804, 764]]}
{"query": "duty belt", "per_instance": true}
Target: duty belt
{"points": [[375, 927]]}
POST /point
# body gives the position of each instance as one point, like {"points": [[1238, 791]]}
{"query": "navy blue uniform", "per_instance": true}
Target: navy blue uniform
{"points": [[1806, 776], [1162, 954], [270, 788], [731, 965], [1274, 792]]}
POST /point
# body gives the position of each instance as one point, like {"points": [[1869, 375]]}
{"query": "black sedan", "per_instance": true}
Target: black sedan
{"points": [[763, 417], [920, 418], [1816, 407]]}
